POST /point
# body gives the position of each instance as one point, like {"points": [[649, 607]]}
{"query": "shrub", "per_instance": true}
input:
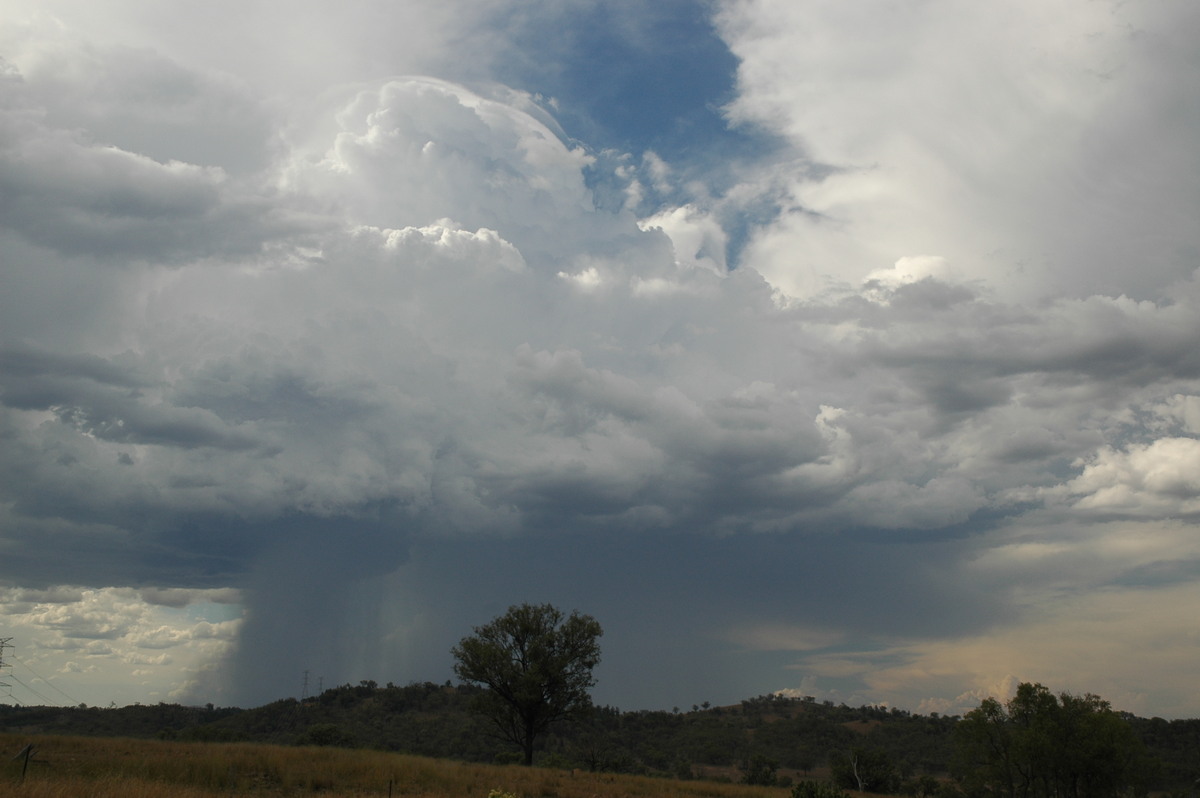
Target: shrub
{"points": [[499, 793], [760, 771], [325, 734], [817, 789]]}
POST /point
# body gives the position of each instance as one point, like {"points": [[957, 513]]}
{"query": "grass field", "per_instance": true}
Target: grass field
{"points": [[86, 767]]}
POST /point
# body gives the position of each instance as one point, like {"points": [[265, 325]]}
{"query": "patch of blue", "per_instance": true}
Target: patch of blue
{"points": [[630, 76]]}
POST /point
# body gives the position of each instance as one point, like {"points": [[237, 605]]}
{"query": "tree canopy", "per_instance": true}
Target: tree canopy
{"points": [[536, 666], [1040, 745]]}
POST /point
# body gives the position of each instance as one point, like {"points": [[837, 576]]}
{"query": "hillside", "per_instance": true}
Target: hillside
{"points": [[797, 735]]}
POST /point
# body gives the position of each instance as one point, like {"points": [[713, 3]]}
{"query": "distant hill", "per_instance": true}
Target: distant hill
{"points": [[796, 735]]}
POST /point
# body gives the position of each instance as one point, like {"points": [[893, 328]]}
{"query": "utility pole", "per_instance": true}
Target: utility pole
{"points": [[304, 690]]}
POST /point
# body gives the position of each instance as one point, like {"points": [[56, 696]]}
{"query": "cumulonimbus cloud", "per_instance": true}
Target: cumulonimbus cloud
{"points": [[412, 322]]}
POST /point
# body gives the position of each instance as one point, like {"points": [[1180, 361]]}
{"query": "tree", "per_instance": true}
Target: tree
{"points": [[864, 769], [1039, 745], [536, 666]]}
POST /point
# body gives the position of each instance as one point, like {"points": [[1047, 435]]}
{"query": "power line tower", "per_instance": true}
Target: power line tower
{"points": [[5, 642]]}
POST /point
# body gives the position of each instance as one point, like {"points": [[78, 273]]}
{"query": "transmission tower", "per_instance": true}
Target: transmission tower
{"points": [[5, 643]]}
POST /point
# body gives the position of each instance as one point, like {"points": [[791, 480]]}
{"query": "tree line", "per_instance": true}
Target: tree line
{"points": [[536, 666]]}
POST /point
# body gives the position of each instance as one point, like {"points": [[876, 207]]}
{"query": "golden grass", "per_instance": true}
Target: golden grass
{"points": [[84, 767]]}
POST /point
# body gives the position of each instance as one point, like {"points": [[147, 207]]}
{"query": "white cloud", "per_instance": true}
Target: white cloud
{"points": [[285, 49], [482, 162], [1159, 479], [1183, 410], [698, 239], [1037, 146], [90, 637]]}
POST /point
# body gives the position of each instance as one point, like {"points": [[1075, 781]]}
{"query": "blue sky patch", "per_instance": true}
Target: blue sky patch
{"points": [[631, 76]]}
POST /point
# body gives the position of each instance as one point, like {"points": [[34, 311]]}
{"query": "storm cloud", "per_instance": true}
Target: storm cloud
{"points": [[900, 406]]}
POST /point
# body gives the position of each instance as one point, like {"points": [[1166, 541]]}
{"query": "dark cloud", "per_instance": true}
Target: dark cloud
{"points": [[25, 362]]}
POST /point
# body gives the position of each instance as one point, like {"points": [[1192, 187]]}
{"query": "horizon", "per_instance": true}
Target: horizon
{"points": [[449, 684], [848, 350]]}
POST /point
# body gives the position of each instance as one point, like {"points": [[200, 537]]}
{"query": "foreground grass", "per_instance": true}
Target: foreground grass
{"points": [[86, 767]]}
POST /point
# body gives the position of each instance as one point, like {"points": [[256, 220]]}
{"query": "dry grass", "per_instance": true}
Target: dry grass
{"points": [[78, 767]]}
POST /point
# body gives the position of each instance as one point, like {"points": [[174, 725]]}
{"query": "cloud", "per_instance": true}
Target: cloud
{"points": [[776, 638], [361, 41], [1038, 147], [484, 163], [1063, 646], [89, 637], [1159, 479], [698, 240], [68, 191], [371, 366], [180, 597], [170, 112]]}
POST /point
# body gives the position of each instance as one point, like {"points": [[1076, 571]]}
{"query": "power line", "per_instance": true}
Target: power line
{"points": [[35, 692], [6, 672], [46, 681]]}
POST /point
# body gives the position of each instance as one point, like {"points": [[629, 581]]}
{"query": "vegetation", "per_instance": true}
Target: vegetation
{"points": [[760, 770], [864, 769], [770, 739], [818, 789], [124, 768], [536, 666], [1039, 745]]}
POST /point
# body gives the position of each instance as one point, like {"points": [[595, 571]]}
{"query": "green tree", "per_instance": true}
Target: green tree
{"points": [[759, 770], [1040, 745], [536, 666]]}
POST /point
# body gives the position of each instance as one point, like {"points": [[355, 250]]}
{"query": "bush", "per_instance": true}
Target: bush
{"points": [[499, 793], [555, 761], [760, 771], [325, 734], [817, 789]]}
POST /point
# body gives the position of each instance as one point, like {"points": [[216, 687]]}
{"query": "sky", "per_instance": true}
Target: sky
{"points": [[832, 349]]}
